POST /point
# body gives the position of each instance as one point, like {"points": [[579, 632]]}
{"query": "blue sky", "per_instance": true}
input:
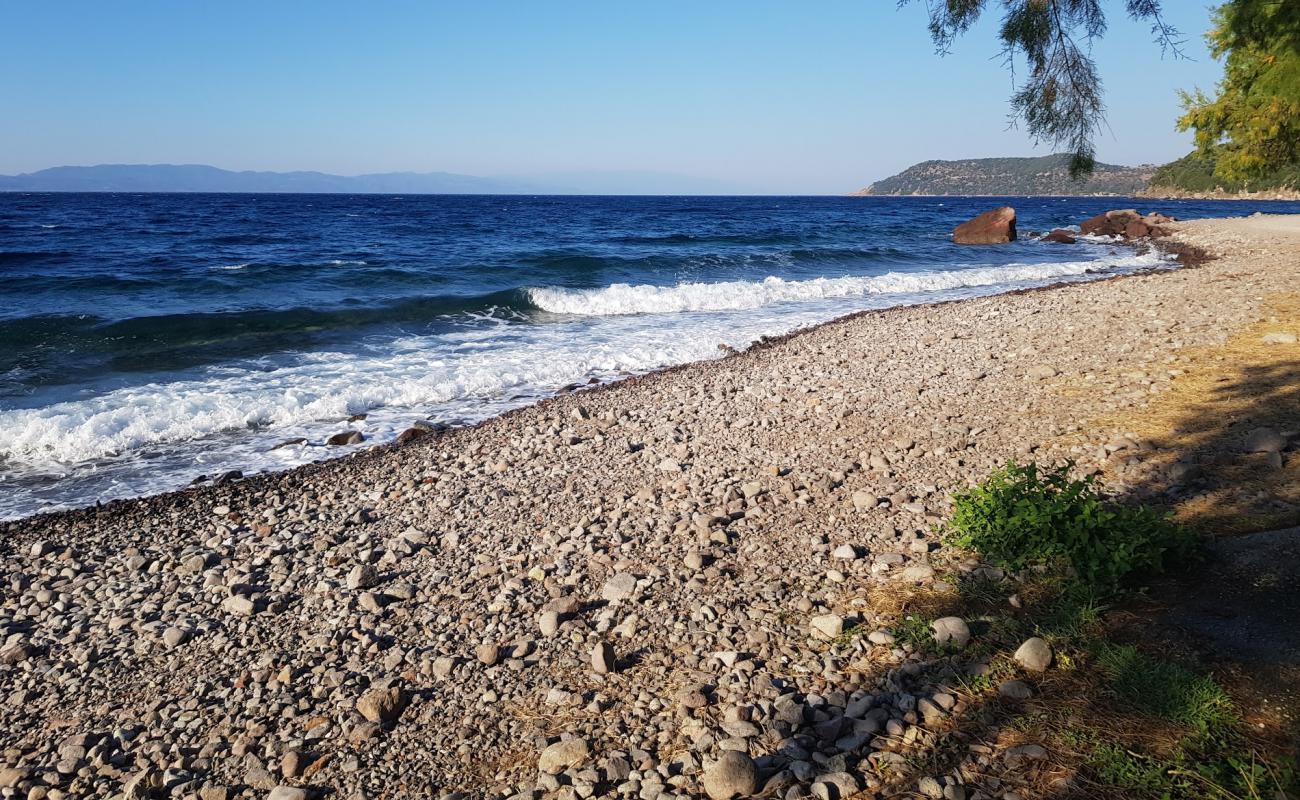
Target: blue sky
{"points": [[771, 96]]}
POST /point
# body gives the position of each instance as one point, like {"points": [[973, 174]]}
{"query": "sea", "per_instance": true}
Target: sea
{"points": [[149, 340]]}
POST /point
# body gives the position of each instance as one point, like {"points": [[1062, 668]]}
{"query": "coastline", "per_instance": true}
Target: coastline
{"points": [[627, 509], [1151, 193]]}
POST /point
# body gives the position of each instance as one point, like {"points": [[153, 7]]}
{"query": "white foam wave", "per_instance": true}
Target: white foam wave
{"points": [[622, 298], [233, 267], [158, 436]]}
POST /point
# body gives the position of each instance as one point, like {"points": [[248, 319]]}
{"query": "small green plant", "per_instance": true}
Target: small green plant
{"points": [[915, 630], [1117, 766], [1167, 690], [1023, 516]]}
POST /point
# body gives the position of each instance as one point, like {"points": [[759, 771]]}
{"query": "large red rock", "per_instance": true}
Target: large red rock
{"points": [[1112, 223], [1136, 229], [991, 227]]}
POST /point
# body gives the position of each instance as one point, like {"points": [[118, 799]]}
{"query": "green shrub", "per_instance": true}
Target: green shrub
{"points": [[1022, 516]]}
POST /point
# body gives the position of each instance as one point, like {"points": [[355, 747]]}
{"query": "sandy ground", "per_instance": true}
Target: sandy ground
{"points": [[603, 594]]}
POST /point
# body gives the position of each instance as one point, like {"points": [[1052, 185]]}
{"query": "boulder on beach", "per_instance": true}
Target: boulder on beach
{"points": [[1126, 222], [992, 227], [1111, 223]]}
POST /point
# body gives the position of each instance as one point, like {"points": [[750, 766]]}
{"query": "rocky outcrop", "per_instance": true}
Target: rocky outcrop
{"points": [[1128, 223], [992, 227]]}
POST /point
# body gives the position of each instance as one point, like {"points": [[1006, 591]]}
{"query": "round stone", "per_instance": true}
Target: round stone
{"points": [[732, 775]]}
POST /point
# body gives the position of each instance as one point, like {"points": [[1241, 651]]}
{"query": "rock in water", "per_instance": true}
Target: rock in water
{"points": [[733, 775], [992, 227], [345, 438], [1060, 236], [1112, 223]]}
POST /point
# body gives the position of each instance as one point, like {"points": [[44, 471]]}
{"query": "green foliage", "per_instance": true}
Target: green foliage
{"points": [[1167, 690], [1196, 172], [1117, 766], [1042, 175], [1074, 617], [915, 631], [1250, 128], [1060, 98], [1023, 516]]}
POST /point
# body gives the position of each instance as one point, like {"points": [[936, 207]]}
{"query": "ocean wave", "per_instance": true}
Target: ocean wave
{"points": [[478, 368], [622, 298]]}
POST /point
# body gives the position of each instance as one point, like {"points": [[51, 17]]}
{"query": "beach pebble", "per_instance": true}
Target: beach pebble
{"points": [[733, 775], [827, 625], [563, 755], [602, 658]]}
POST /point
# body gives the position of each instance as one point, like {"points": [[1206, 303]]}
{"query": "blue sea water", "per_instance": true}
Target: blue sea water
{"points": [[146, 339]]}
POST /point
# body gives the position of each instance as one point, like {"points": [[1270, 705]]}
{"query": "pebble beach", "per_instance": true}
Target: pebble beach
{"points": [[660, 587]]}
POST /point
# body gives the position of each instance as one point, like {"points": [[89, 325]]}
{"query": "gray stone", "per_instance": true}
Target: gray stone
{"points": [[952, 631], [239, 604], [602, 658], [619, 587], [836, 786], [1015, 690], [363, 576], [827, 625], [1265, 440], [733, 775], [174, 636], [1034, 655], [846, 552], [381, 705], [564, 754]]}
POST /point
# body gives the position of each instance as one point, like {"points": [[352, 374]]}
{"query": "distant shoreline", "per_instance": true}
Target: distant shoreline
{"points": [[1158, 194]]}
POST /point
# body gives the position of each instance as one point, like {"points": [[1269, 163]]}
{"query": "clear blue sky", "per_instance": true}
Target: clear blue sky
{"points": [[780, 96]]}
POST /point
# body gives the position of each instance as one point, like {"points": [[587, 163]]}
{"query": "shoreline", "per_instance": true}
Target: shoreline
{"points": [[428, 618], [1186, 256]]}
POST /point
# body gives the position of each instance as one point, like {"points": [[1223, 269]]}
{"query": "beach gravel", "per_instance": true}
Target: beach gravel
{"points": [[651, 589]]}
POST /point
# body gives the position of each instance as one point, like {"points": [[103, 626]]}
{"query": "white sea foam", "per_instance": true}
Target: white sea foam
{"points": [[622, 298], [141, 439]]}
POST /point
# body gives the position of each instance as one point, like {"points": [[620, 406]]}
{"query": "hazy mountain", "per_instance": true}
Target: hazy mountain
{"points": [[201, 178], [1044, 175]]}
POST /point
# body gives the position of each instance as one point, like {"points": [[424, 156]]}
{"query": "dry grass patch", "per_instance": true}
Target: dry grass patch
{"points": [[1202, 421]]}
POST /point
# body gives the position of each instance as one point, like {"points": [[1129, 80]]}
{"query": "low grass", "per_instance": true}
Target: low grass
{"points": [[1167, 690], [1119, 721]]}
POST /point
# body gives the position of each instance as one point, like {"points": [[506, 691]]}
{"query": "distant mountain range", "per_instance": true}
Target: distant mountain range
{"points": [[1044, 175], [201, 178]]}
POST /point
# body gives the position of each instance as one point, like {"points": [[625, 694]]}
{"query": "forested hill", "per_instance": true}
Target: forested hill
{"points": [[1045, 175]]}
